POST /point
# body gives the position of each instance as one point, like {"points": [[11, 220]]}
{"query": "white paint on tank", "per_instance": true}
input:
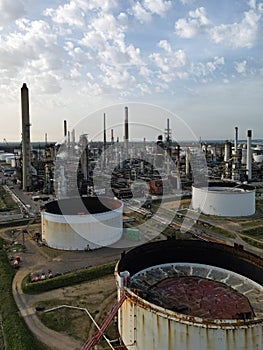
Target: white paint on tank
{"points": [[223, 201]]}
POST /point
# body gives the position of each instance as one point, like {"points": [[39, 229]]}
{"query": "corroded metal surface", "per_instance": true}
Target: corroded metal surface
{"points": [[146, 325]]}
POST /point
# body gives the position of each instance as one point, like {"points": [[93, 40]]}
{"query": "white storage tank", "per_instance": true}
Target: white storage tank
{"points": [[224, 199], [190, 295], [3, 156], [79, 224]]}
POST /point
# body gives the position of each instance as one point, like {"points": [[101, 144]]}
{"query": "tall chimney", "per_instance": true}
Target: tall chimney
{"points": [[65, 129], [249, 155], [104, 134], [26, 151], [126, 130], [112, 137], [236, 140]]}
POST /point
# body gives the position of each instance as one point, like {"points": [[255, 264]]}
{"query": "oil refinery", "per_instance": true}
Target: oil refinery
{"points": [[181, 285]]}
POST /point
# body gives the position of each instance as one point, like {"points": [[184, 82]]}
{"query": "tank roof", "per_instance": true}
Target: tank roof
{"points": [[82, 206]]}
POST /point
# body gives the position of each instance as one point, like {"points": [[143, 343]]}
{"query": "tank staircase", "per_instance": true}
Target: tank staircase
{"points": [[105, 324]]}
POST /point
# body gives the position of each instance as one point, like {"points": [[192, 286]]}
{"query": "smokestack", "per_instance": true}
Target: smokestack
{"points": [[227, 151], [126, 130], [73, 137], [168, 131], [112, 137], [26, 151], [65, 129], [249, 155], [236, 140], [104, 128]]}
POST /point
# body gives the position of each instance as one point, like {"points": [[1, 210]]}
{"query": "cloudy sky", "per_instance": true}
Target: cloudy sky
{"points": [[201, 60]]}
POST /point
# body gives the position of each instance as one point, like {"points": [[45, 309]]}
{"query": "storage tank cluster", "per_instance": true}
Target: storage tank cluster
{"points": [[224, 199], [81, 224], [190, 295]]}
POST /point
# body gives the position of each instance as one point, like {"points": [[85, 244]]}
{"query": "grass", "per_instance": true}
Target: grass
{"points": [[256, 232], [252, 242], [68, 279], [6, 201], [12, 323], [97, 297]]}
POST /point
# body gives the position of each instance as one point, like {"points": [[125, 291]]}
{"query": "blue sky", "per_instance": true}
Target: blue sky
{"points": [[201, 60]]}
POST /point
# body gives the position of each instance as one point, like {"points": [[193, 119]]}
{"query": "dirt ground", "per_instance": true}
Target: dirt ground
{"points": [[97, 297]]}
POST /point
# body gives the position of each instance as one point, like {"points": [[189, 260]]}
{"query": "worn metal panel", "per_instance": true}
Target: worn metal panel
{"points": [[157, 328]]}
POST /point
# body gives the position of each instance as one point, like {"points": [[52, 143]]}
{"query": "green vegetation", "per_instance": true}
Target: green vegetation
{"points": [[6, 201], [14, 330], [68, 279], [252, 242], [256, 233]]}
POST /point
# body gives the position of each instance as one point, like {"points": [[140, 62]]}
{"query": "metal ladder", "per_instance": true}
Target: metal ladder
{"points": [[107, 321]]}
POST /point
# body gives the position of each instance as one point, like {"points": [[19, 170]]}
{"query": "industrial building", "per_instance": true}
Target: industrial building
{"points": [[190, 295], [224, 199], [82, 224]]}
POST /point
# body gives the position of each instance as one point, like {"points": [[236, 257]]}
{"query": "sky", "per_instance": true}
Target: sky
{"points": [[201, 61]]}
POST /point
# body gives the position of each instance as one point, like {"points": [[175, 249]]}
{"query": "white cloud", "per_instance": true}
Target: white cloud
{"points": [[205, 71], [165, 45], [144, 10], [190, 27], [240, 67], [10, 11], [69, 14], [159, 7], [243, 34], [140, 13], [170, 61]]}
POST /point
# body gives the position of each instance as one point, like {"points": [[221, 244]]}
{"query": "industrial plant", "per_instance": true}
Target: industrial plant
{"points": [[199, 292]]}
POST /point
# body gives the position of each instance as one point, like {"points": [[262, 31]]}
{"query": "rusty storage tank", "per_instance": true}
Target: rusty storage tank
{"points": [[82, 223], [224, 199], [190, 295]]}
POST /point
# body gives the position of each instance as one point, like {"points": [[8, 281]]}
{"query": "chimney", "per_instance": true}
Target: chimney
{"points": [[104, 134], [26, 150], [236, 140], [65, 129], [112, 137], [249, 155], [126, 130]]}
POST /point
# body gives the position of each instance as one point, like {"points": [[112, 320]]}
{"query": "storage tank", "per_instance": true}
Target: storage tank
{"points": [[79, 224], [3, 156], [190, 295], [224, 199], [258, 157]]}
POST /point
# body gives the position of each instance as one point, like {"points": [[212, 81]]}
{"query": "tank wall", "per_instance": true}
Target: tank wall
{"points": [[223, 203], [144, 327], [71, 232]]}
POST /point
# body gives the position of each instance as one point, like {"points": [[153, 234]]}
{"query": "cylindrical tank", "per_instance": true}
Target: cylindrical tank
{"points": [[258, 158], [3, 156], [159, 314], [79, 224], [224, 199]]}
